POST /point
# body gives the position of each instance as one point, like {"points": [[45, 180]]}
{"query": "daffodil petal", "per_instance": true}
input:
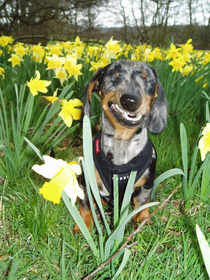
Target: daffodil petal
{"points": [[50, 168], [67, 118], [79, 191], [71, 194], [206, 130], [76, 168], [37, 75]]}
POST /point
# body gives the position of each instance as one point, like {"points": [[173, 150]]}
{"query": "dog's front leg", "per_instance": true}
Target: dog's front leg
{"points": [[86, 214], [84, 208], [141, 197]]}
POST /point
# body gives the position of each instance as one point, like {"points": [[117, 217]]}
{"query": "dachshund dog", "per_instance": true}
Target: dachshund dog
{"points": [[133, 103]]}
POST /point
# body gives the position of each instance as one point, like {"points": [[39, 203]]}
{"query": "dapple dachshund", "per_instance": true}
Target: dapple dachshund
{"points": [[133, 103]]}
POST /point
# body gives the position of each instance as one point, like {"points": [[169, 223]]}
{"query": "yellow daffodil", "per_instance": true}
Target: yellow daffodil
{"points": [[36, 85], [55, 61], [187, 69], [188, 47], [157, 53], [70, 112], [63, 178], [1, 72], [198, 80], [79, 51], [91, 50], [53, 98], [173, 52], [177, 64], [206, 59], [148, 55], [68, 46], [111, 49], [205, 84], [204, 143], [60, 73], [72, 68], [20, 51], [38, 52], [97, 65], [5, 40], [77, 42], [15, 59], [133, 56], [55, 49]]}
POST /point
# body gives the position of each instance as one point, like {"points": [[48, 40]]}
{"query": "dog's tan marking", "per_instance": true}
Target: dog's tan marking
{"points": [[87, 217], [144, 76], [141, 216], [90, 89], [141, 182], [156, 94], [121, 132], [116, 74]]}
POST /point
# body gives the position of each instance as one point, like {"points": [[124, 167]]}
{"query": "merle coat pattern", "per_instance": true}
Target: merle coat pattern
{"points": [[133, 103]]}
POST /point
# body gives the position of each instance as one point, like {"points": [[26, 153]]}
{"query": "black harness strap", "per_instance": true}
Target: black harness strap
{"points": [[107, 169]]}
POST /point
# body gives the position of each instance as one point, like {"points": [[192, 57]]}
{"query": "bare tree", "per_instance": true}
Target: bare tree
{"points": [[46, 18]]}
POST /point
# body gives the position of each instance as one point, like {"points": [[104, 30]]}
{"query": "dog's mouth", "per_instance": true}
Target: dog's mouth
{"points": [[124, 117]]}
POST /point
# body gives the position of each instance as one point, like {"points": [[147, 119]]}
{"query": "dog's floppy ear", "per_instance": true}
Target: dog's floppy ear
{"points": [[158, 117], [93, 86]]}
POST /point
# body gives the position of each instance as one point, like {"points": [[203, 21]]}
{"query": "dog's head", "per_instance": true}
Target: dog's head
{"points": [[131, 97]]}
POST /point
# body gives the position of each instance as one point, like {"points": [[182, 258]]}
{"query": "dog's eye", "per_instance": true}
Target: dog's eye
{"points": [[116, 77], [142, 75]]}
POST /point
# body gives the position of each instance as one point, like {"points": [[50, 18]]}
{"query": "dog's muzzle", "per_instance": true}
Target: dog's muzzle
{"points": [[126, 113]]}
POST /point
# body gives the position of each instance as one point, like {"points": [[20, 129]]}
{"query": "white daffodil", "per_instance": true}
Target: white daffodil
{"points": [[63, 178]]}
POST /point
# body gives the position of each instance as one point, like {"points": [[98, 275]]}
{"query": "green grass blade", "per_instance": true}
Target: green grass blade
{"points": [[126, 204], [205, 249], [39, 121], [192, 167], [93, 210], [127, 195], [16, 136], [207, 111], [117, 232], [205, 184], [164, 176], [37, 151], [14, 268], [195, 181], [123, 263], [63, 268], [28, 113], [184, 149], [78, 219], [88, 156], [4, 120], [116, 200]]}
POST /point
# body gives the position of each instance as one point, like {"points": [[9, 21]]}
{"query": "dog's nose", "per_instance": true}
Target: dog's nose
{"points": [[129, 103]]}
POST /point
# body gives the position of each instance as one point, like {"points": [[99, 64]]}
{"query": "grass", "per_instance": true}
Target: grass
{"points": [[38, 242]]}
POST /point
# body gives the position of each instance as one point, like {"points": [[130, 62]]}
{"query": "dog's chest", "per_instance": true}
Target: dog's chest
{"points": [[121, 152]]}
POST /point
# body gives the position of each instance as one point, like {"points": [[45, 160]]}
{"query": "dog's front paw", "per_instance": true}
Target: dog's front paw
{"points": [[140, 217], [87, 218]]}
